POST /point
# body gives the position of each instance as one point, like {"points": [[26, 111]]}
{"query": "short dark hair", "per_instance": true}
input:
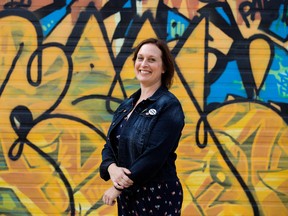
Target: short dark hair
{"points": [[167, 59]]}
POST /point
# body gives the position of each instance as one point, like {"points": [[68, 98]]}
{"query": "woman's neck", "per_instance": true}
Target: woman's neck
{"points": [[148, 91]]}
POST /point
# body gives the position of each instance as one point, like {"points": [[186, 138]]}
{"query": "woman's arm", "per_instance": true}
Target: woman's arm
{"points": [[108, 158]]}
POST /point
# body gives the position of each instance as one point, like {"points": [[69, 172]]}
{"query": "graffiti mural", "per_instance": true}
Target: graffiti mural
{"points": [[67, 65]]}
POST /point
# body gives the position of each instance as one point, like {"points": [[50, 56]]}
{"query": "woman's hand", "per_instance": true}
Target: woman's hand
{"points": [[119, 176], [110, 195]]}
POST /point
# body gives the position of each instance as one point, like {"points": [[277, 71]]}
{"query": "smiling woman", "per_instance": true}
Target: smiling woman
{"points": [[148, 66], [167, 63], [139, 155]]}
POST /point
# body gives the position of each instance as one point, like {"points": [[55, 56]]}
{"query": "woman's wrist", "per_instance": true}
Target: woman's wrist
{"points": [[118, 189], [111, 166]]}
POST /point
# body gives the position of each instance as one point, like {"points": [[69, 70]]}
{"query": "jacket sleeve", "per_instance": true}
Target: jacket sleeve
{"points": [[108, 158], [108, 154], [169, 124]]}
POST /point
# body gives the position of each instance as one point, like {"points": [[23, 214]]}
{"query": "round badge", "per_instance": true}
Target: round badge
{"points": [[152, 112]]}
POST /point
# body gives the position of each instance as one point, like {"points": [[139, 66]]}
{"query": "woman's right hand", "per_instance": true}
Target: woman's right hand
{"points": [[110, 195], [119, 176]]}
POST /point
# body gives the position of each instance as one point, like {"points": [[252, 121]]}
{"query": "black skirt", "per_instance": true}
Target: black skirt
{"points": [[152, 199]]}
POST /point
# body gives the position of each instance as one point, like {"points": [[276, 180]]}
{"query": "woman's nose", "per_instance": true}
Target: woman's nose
{"points": [[144, 62]]}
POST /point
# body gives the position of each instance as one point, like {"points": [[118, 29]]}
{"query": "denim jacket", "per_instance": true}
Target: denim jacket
{"points": [[149, 139]]}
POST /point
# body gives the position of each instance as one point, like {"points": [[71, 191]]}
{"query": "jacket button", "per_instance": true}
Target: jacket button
{"points": [[113, 123]]}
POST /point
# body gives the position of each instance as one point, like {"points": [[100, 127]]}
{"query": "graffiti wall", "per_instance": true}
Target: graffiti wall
{"points": [[66, 65]]}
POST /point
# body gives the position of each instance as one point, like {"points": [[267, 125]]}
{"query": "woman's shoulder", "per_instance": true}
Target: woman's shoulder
{"points": [[168, 100], [169, 96]]}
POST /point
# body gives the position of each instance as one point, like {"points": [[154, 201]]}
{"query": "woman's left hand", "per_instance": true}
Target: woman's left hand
{"points": [[110, 195], [119, 176]]}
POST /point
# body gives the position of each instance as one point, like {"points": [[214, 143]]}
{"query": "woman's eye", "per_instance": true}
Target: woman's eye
{"points": [[141, 58]]}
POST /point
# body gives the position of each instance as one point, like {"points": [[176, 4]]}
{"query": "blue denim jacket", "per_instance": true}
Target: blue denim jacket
{"points": [[149, 139]]}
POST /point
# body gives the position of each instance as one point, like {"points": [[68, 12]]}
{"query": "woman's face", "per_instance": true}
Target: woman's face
{"points": [[148, 65]]}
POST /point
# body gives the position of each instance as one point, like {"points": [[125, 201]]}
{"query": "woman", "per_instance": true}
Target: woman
{"points": [[139, 155]]}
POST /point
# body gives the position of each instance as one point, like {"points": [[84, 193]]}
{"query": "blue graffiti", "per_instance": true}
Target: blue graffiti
{"points": [[176, 25], [229, 83], [279, 27], [50, 21], [128, 4], [223, 14], [275, 88]]}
